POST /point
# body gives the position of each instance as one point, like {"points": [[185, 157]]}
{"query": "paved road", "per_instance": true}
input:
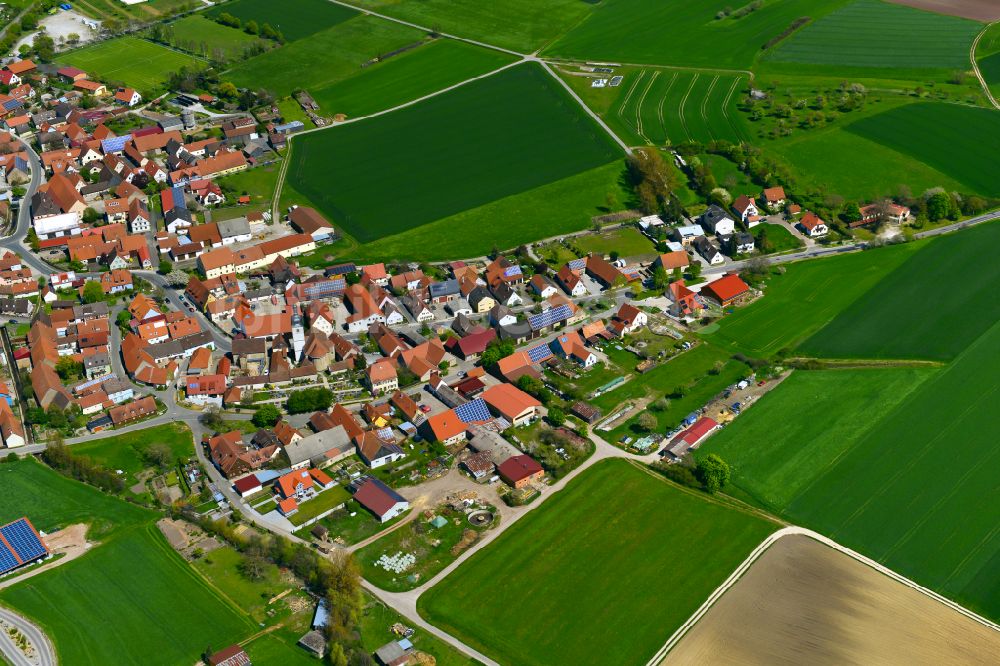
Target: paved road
{"points": [[45, 651], [15, 242]]}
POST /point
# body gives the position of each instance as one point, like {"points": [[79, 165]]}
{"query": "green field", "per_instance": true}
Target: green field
{"points": [[932, 306], [141, 601], [296, 18], [324, 501], [827, 160], [960, 141], [780, 446], [199, 34], [815, 291], [408, 76], [520, 25], [871, 33], [126, 451], [681, 33], [618, 552], [130, 61], [626, 241], [779, 238], [326, 57], [66, 502], [561, 207], [668, 106], [376, 621], [462, 140]]}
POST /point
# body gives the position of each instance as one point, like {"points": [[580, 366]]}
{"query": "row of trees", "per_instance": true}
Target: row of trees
{"points": [[58, 456], [309, 400], [251, 27], [710, 473]]}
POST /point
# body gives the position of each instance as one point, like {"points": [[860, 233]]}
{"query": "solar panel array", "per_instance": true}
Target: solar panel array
{"points": [[385, 434], [19, 544], [325, 289], [12, 104], [178, 195], [115, 144], [341, 269], [473, 412], [549, 317], [577, 264], [511, 271], [540, 353]]}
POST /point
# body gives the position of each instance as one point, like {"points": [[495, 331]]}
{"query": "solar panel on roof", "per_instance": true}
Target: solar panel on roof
{"points": [[577, 264], [178, 194], [316, 290], [539, 353], [7, 559], [549, 317], [115, 144], [385, 434], [473, 411], [23, 540], [511, 271]]}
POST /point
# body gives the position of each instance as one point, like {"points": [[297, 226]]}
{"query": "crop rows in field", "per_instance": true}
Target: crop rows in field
{"points": [[869, 33], [673, 106]]}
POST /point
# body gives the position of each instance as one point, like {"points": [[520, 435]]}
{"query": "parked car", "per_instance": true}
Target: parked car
{"points": [[425, 408]]}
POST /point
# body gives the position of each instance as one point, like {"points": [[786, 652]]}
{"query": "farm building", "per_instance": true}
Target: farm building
{"points": [[20, 544], [725, 291], [519, 471], [384, 502], [692, 436]]}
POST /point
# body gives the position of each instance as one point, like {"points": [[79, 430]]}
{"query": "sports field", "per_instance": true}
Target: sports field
{"points": [[871, 33], [520, 25], [462, 141], [324, 58], [804, 425], [960, 141], [618, 552], [408, 76], [682, 33], [932, 306], [199, 34], [130, 61], [132, 600], [816, 291], [295, 19], [661, 106]]}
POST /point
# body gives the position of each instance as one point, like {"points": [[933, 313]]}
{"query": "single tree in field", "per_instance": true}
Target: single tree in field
{"points": [[646, 422], [713, 472]]}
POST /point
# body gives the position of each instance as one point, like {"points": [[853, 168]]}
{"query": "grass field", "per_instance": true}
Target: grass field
{"points": [[131, 61], [296, 20], [776, 451], [408, 76], [594, 552], [520, 25], [561, 207], [949, 285], [779, 238], [324, 58], [959, 141], [816, 291], [871, 33], [827, 159], [683, 34], [200, 34], [66, 501], [917, 492], [223, 567], [141, 601], [324, 501], [126, 451], [626, 241], [376, 621], [538, 136], [668, 106]]}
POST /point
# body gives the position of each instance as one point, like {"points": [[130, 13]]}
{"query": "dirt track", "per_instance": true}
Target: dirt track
{"points": [[978, 10], [803, 602]]}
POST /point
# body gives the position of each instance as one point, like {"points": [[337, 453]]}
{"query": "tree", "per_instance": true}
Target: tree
{"points": [[646, 422], [165, 267], [158, 454], [713, 472], [44, 46], [661, 405], [695, 270], [90, 215], [212, 419], [851, 213], [92, 291], [227, 90], [660, 278], [266, 416], [178, 278], [254, 565], [252, 27], [309, 400], [556, 416], [68, 369], [123, 318], [495, 351]]}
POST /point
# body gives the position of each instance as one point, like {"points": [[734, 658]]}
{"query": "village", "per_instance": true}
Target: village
{"points": [[335, 405]]}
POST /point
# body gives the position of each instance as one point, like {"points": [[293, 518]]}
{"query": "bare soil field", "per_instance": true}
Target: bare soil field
{"points": [[803, 602], [977, 10]]}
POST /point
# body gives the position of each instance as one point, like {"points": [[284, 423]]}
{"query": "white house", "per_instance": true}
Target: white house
{"points": [[717, 221], [747, 210], [376, 453], [813, 226], [384, 502]]}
